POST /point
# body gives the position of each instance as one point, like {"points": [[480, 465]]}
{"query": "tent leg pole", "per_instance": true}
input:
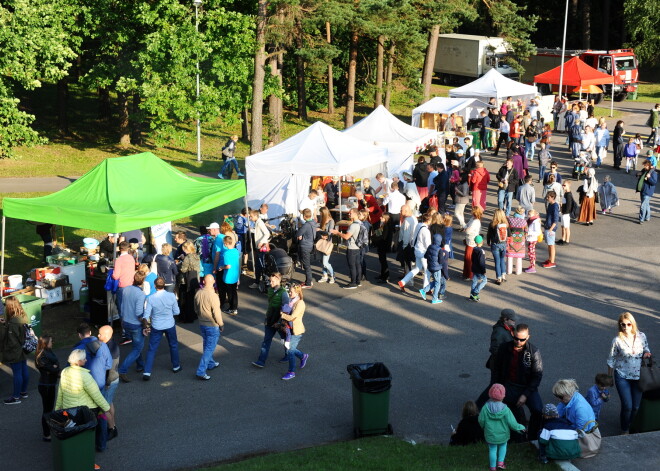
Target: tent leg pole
{"points": [[247, 215], [612, 103], [2, 257], [114, 250], [339, 199]]}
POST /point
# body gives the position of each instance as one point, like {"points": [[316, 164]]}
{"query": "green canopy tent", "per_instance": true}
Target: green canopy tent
{"points": [[122, 194]]}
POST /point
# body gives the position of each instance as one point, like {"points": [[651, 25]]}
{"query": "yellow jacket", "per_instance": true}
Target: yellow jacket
{"points": [[296, 316], [78, 388]]}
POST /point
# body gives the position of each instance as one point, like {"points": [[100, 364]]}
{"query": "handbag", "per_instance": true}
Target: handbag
{"points": [[649, 375], [539, 238], [324, 246], [589, 441], [154, 265], [31, 341]]}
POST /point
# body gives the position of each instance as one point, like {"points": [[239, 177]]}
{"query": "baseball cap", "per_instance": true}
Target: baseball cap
{"points": [[214, 225]]}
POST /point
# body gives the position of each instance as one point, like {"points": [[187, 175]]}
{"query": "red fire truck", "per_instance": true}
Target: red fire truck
{"points": [[621, 63]]}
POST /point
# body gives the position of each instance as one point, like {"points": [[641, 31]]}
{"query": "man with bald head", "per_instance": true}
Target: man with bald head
{"points": [[112, 378], [207, 307]]}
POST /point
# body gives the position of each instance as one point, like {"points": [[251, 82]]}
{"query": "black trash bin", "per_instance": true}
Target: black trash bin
{"points": [[371, 398], [73, 438]]}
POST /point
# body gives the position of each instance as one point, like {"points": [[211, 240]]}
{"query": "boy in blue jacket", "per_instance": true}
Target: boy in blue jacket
{"points": [[436, 258]]}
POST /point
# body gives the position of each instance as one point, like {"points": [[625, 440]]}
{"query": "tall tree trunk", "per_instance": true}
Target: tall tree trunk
{"points": [[136, 121], [380, 48], [605, 27], [105, 109], [388, 76], [429, 61], [245, 132], [275, 102], [124, 129], [331, 85], [62, 106], [352, 72], [574, 19], [586, 24], [300, 73], [256, 144]]}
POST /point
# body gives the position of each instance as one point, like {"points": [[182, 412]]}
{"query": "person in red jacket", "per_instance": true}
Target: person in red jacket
{"points": [[368, 202], [516, 130], [478, 181]]}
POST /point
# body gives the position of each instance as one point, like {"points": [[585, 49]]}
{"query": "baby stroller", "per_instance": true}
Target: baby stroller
{"points": [[582, 163], [277, 260]]}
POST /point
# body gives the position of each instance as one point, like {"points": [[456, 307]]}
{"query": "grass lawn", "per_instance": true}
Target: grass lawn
{"points": [[387, 454], [649, 92]]}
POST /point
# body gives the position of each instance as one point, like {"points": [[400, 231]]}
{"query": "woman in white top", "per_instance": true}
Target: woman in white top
{"points": [[406, 231], [588, 141], [589, 192], [421, 241], [602, 136], [624, 363]]}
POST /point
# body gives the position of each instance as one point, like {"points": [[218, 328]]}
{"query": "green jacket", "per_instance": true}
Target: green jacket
{"points": [[654, 119], [275, 301], [12, 337], [497, 420]]}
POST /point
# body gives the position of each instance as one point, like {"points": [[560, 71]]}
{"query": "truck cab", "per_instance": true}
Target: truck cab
{"points": [[621, 64]]}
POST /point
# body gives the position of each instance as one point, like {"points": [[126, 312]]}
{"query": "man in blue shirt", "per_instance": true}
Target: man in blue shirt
{"points": [[160, 311], [132, 312]]}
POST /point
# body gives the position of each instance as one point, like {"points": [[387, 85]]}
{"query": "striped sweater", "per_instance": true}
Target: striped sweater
{"points": [[78, 388], [560, 440]]}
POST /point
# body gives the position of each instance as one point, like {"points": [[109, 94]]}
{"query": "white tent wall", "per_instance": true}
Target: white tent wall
{"points": [[494, 84], [468, 108]]}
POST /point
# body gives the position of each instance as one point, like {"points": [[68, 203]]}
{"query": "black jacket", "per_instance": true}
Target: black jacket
{"points": [[478, 261], [468, 432], [530, 367], [421, 174], [308, 233], [49, 367], [513, 181], [567, 208], [332, 192]]}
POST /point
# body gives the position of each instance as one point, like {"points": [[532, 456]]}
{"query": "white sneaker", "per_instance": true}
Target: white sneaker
{"points": [[331, 280], [323, 279], [254, 286]]}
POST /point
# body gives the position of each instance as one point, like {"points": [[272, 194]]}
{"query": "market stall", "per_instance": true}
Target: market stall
{"points": [[118, 195], [383, 129], [281, 176], [494, 85]]}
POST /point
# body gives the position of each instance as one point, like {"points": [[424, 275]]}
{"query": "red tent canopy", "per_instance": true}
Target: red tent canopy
{"points": [[576, 74]]}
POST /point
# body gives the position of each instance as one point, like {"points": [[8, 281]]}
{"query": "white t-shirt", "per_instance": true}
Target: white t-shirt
{"points": [[394, 201]]}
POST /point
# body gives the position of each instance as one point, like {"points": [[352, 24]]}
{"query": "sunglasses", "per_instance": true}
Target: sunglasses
{"points": [[516, 339], [624, 324]]}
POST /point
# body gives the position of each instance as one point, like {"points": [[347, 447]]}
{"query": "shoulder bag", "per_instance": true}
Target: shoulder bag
{"points": [[649, 375], [324, 246], [30, 342], [589, 441]]}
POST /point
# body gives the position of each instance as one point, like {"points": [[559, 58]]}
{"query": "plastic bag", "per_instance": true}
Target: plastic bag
{"points": [[67, 423], [370, 377]]}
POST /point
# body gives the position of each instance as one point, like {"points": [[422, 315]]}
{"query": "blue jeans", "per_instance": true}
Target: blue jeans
{"points": [[134, 332], [496, 454], [354, 265], [118, 298], [101, 433], [269, 333], [645, 209], [542, 169], [293, 353], [21, 377], [598, 152], [529, 149], [499, 257], [154, 341], [327, 268], [438, 285], [504, 199], [478, 283], [630, 396], [226, 169], [210, 336]]}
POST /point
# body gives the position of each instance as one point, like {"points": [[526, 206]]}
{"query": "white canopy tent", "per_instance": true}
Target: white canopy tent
{"points": [[494, 84], [384, 129], [468, 108], [280, 176]]}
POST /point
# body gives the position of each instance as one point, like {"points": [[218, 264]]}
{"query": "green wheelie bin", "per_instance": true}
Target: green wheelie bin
{"points": [[32, 307], [73, 433], [371, 398]]}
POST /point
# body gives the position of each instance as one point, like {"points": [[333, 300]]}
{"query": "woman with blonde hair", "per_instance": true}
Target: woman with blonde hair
{"points": [[190, 269], [623, 364], [471, 231], [327, 225], [497, 236], [406, 231], [448, 234], [49, 368], [12, 337], [575, 409], [167, 269], [149, 279], [292, 313]]}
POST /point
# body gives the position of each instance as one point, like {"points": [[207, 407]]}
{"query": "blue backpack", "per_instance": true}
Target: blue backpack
{"points": [[362, 239]]}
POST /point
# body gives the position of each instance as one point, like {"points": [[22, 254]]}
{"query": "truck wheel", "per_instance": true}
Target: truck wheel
{"points": [[598, 97], [621, 96]]}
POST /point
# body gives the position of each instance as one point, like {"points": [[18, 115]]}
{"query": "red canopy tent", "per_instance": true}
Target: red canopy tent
{"points": [[576, 73]]}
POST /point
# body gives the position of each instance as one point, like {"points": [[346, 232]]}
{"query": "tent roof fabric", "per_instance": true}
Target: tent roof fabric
{"points": [[445, 105], [576, 74], [317, 150], [493, 84], [381, 127], [126, 193]]}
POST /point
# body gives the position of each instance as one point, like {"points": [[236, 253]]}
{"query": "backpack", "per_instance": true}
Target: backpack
{"points": [[501, 233], [362, 239], [31, 341]]}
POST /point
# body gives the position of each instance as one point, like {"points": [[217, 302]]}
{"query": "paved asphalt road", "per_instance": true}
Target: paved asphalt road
{"points": [[436, 353]]}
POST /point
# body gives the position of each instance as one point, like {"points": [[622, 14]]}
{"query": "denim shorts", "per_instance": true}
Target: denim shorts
{"points": [[549, 237], [109, 391]]}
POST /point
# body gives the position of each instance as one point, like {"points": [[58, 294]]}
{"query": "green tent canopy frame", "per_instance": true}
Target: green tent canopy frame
{"points": [[122, 194]]}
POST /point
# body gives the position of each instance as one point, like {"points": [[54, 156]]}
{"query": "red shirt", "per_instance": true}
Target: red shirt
{"points": [[372, 207]]}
